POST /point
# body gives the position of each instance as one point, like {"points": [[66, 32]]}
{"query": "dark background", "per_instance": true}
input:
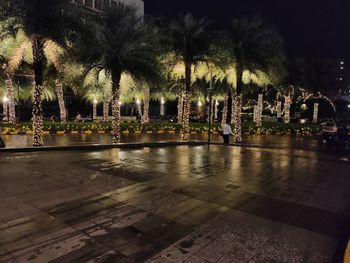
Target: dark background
{"points": [[311, 28]]}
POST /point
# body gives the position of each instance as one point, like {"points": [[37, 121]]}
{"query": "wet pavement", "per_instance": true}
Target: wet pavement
{"points": [[173, 204], [307, 142]]}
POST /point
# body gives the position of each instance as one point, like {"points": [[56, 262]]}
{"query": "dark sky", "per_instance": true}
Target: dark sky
{"points": [[310, 27]]}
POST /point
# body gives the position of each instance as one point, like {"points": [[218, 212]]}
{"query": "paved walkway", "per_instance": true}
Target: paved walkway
{"points": [[173, 204], [308, 142]]}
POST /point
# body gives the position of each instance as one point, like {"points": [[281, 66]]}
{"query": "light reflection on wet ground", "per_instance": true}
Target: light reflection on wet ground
{"points": [[286, 141], [173, 204]]}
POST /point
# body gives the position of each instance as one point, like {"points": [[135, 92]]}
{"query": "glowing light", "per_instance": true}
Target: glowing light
{"points": [[224, 110], [162, 101], [341, 62], [95, 101], [349, 106], [5, 99], [120, 103], [138, 102], [200, 104], [216, 103], [303, 106]]}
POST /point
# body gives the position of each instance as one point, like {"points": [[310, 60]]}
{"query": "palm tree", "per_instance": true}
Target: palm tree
{"points": [[190, 44], [42, 22], [121, 43], [251, 45]]}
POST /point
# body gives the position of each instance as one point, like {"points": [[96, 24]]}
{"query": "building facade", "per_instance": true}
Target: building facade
{"points": [[100, 5]]}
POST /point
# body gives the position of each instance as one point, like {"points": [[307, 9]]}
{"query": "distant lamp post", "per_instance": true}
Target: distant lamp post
{"points": [[5, 101]]}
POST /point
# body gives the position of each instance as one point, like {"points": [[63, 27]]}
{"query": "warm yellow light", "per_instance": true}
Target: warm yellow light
{"points": [[120, 103], [200, 104], [217, 103], [95, 101], [5, 99], [162, 101], [138, 102]]}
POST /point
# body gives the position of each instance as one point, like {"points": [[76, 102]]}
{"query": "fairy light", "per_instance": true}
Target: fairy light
{"points": [[116, 117], [237, 128], [216, 110], [180, 105], [37, 113], [224, 110], [5, 107], [315, 115], [279, 109], [60, 98], [185, 136], [145, 118], [260, 109], [286, 109], [255, 114], [105, 110]]}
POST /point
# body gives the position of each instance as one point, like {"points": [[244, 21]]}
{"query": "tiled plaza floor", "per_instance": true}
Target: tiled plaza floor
{"points": [[174, 204]]}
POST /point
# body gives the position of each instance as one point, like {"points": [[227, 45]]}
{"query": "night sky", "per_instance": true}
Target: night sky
{"points": [[311, 28]]}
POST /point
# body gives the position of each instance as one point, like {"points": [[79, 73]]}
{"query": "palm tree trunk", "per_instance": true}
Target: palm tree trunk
{"points": [[11, 101], [5, 109], [279, 109], [224, 110], [286, 109], [180, 105], [145, 118], [60, 98], [216, 110], [187, 109], [237, 128], [94, 111], [237, 101], [38, 62], [105, 110], [116, 75], [260, 109], [315, 115]]}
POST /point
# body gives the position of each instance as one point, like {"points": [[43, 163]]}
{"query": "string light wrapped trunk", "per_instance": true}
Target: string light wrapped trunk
{"points": [[60, 98], [279, 109], [224, 110], [286, 110], [216, 110], [232, 112], [37, 112], [212, 112], [116, 76], [5, 107], [105, 110], [255, 114], [145, 118], [94, 110], [11, 101], [315, 115], [180, 105], [237, 128], [185, 136], [260, 109]]}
